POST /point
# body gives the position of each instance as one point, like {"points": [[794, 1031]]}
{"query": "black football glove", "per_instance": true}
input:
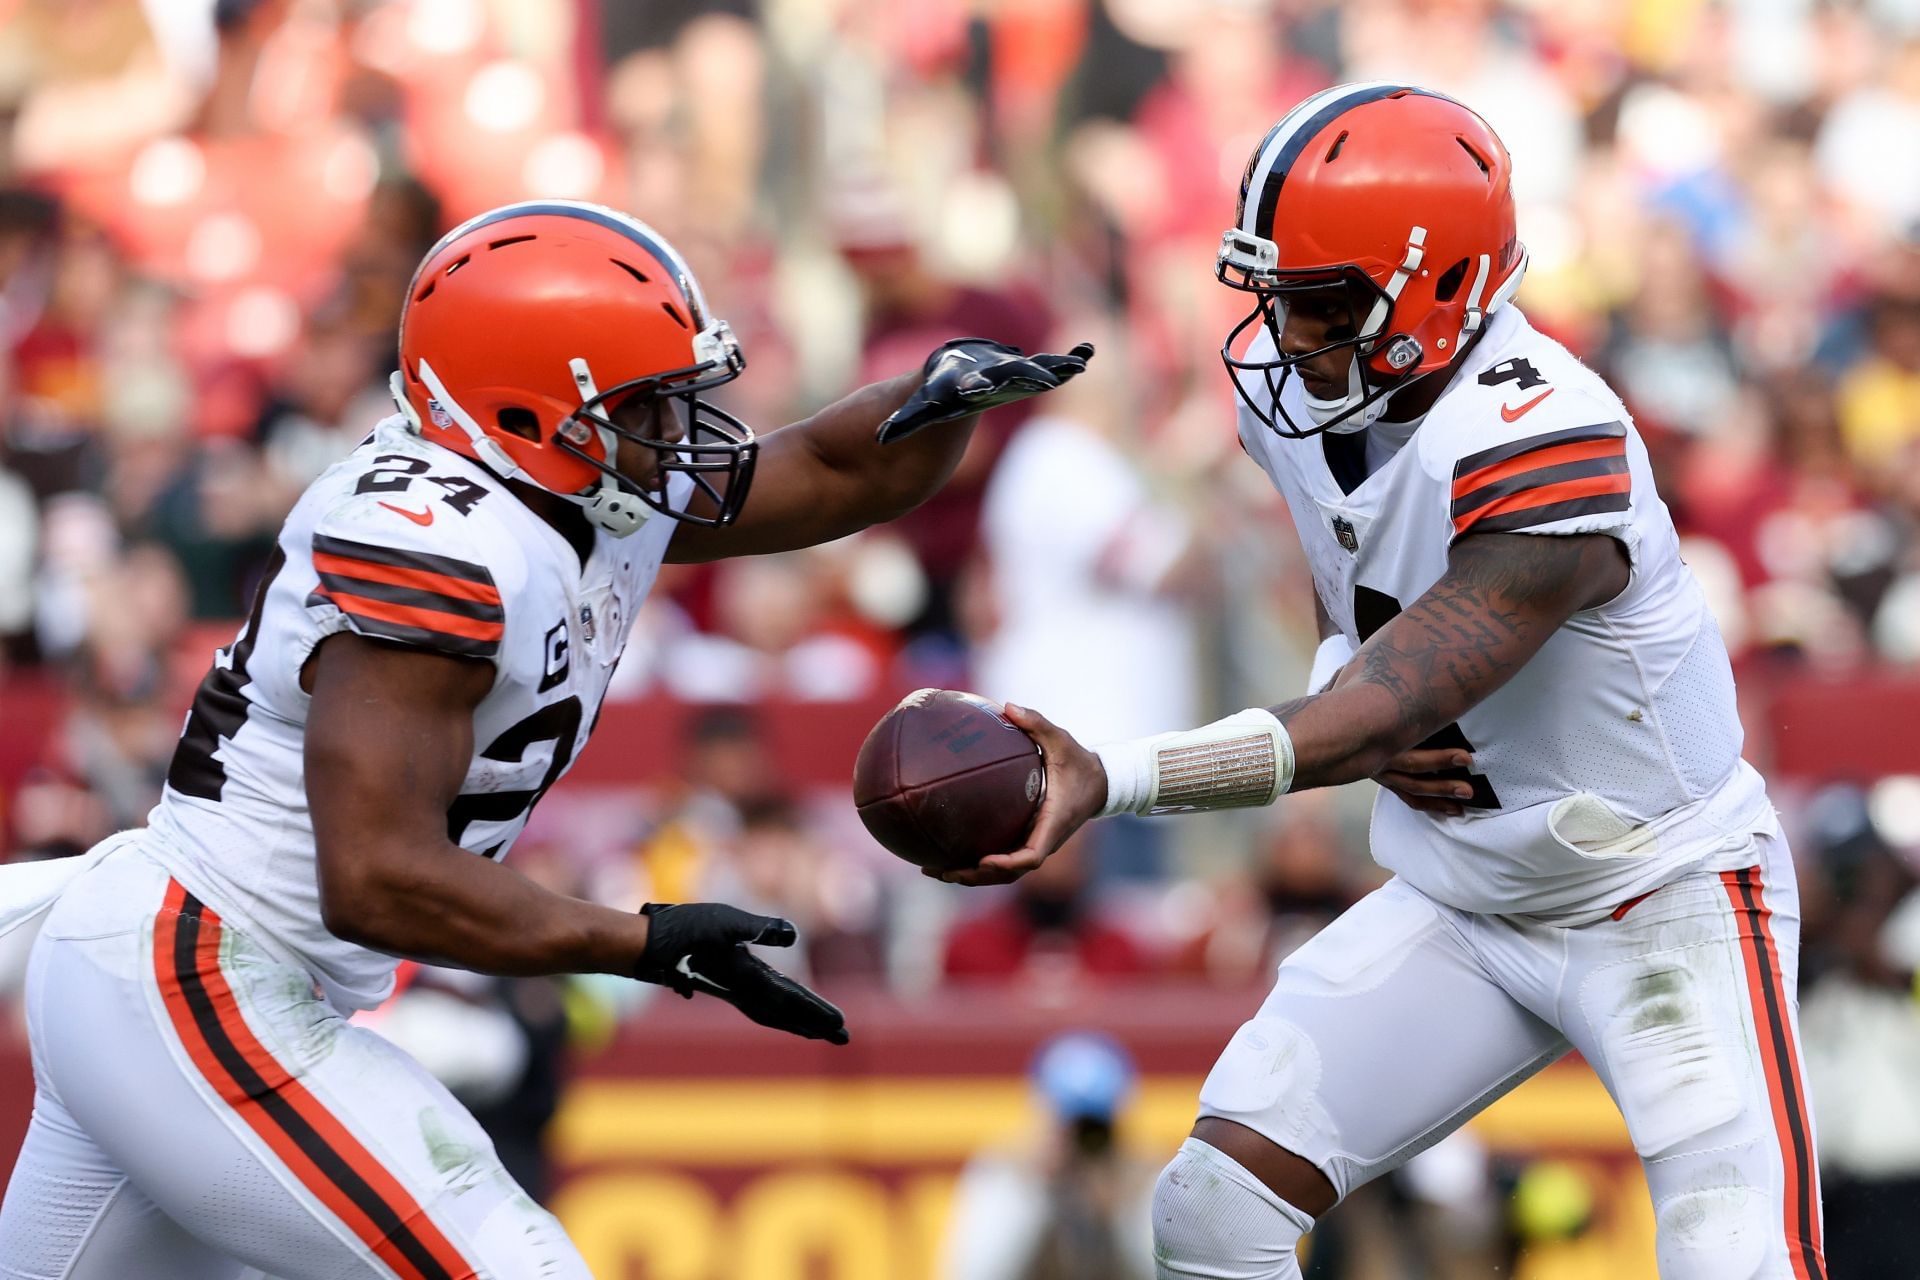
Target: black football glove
{"points": [[702, 946], [968, 375]]}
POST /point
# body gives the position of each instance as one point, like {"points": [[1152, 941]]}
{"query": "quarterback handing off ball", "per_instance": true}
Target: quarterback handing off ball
{"points": [[945, 780]]}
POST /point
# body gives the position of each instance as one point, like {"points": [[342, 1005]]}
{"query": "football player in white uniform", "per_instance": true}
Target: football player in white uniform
{"points": [[1514, 649], [426, 655]]}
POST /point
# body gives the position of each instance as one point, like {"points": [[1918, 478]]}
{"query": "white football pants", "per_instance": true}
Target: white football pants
{"points": [[1404, 1018], [199, 1110]]}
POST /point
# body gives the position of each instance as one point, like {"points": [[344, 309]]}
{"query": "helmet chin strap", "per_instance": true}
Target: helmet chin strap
{"points": [[447, 412], [1349, 413], [607, 505], [397, 388]]}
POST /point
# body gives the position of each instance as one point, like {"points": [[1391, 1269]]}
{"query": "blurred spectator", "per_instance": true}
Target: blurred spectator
{"points": [[78, 547], [82, 80], [125, 721], [318, 407], [1070, 1202], [1092, 578], [1550, 1210], [1880, 396], [19, 538], [1861, 1021], [1298, 883], [1668, 355], [55, 815], [776, 865], [1449, 1197], [783, 627], [910, 309], [1229, 76], [1046, 934], [1482, 55], [1863, 150], [725, 768], [1089, 572], [219, 515]]}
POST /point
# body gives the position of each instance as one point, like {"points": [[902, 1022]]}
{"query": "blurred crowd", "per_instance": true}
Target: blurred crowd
{"points": [[210, 208]]}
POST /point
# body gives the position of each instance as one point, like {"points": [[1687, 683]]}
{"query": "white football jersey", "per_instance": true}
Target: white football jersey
{"points": [[410, 543], [1611, 761]]}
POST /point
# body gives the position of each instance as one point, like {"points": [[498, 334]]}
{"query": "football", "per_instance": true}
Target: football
{"points": [[944, 780]]}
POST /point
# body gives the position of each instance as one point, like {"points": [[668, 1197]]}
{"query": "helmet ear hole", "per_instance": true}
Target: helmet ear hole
{"points": [[520, 422], [1450, 282]]}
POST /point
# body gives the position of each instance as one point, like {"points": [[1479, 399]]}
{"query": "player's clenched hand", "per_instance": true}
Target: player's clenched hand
{"points": [[1414, 776], [702, 946], [1076, 789], [969, 375]]}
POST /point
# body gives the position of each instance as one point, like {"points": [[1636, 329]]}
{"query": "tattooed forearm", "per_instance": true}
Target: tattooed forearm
{"points": [[1501, 598]]}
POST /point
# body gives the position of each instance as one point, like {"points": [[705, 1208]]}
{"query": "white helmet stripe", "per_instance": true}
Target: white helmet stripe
{"points": [[1281, 142]]}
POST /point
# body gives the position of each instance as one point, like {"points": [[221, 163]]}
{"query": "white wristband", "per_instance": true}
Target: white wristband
{"points": [[1241, 761], [1333, 654]]}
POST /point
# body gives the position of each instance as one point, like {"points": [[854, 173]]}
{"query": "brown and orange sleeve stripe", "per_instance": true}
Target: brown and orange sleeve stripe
{"points": [[1543, 478], [412, 597]]}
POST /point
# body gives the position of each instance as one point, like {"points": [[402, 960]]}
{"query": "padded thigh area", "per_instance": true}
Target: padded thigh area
{"points": [[1325, 1070]]}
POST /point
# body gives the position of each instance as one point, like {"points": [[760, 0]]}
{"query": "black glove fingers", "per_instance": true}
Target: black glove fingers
{"points": [[974, 347], [771, 998], [776, 933], [970, 375], [1006, 390], [1063, 367]]}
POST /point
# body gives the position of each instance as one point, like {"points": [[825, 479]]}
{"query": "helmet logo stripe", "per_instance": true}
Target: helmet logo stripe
{"points": [[1261, 168], [1256, 166], [1297, 128]]}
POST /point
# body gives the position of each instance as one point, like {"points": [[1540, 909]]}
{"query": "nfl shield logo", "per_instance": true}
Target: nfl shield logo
{"points": [[1344, 535], [586, 623]]}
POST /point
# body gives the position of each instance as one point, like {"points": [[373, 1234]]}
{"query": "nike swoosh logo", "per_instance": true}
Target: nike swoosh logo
{"points": [[426, 517], [1506, 414], [686, 962]]}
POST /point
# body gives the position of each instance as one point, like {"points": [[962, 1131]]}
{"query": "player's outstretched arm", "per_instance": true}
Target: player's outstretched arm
{"points": [[1502, 597], [876, 454], [389, 737]]}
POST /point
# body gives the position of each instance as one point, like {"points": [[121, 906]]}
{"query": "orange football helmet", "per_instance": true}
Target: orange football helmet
{"points": [[1400, 196], [526, 330]]}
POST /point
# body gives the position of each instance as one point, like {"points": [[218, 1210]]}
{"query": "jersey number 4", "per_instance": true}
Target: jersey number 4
{"points": [[1517, 370], [1373, 610]]}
